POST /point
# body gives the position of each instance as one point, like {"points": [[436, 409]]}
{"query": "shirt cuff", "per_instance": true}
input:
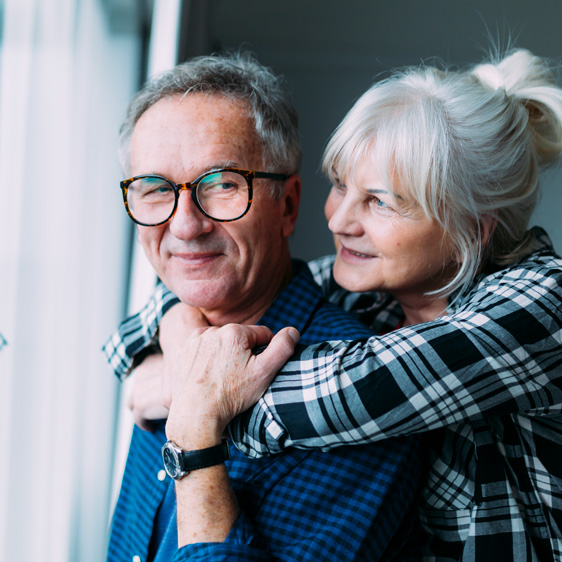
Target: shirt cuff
{"points": [[138, 332], [241, 544], [256, 433]]}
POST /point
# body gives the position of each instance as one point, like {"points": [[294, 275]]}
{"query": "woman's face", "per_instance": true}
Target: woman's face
{"points": [[384, 241]]}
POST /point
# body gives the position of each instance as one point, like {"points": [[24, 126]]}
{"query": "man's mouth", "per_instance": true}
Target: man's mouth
{"points": [[195, 258]]}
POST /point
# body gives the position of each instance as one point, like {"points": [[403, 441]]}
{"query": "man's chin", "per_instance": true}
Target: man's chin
{"points": [[204, 293]]}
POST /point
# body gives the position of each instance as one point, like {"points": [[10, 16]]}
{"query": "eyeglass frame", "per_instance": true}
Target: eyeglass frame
{"points": [[248, 175]]}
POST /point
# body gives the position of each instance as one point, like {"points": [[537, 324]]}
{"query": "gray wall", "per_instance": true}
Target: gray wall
{"points": [[331, 50]]}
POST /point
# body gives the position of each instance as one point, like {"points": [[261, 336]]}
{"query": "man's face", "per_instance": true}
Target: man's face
{"points": [[230, 270]]}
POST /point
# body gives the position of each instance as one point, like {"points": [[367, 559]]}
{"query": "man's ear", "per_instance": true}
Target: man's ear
{"points": [[290, 201]]}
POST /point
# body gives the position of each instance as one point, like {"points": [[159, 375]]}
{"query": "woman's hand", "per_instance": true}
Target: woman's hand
{"points": [[149, 384], [214, 375], [146, 401], [178, 324]]}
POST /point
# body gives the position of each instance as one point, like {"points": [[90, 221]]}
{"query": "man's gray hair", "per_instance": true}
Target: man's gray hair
{"points": [[237, 76]]}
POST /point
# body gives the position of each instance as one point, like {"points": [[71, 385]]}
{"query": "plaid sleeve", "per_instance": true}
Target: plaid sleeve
{"points": [[498, 353], [321, 269], [138, 333]]}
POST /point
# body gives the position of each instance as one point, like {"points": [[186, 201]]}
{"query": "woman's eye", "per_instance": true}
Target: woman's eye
{"points": [[337, 185], [378, 203]]}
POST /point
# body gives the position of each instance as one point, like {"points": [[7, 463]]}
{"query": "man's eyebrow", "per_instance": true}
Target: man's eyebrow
{"points": [[225, 164], [215, 166]]}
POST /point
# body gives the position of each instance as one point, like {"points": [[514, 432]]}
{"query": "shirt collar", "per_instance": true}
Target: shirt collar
{"points": [[296, 303]]}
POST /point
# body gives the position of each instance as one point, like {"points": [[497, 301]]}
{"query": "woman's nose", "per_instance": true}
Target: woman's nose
{"points": [[344, 216]]}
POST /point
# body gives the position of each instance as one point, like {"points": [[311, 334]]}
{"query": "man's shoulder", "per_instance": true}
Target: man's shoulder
{"points": [[359, 460], [325, 320], [332, 322]]}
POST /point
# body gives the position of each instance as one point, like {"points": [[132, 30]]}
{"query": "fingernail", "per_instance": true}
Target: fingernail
{"points": [[294, 334]]}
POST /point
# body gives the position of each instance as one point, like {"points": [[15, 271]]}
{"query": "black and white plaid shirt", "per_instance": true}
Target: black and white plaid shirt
{"points": [[483, 384]]}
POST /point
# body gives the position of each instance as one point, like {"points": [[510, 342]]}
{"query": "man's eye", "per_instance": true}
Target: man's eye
{"points": [[222, 184], [226, 185], [151, 189], [218, 187], [161, 189]]}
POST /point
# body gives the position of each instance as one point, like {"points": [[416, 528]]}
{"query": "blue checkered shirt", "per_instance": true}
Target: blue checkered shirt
{"points": [[484, 384], [350, 503]]}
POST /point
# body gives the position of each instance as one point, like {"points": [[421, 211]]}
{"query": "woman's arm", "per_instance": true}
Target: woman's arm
{"points": [[499, 353]]}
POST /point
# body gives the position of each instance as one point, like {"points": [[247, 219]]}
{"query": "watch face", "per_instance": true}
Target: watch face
{"points": [[171, 464]]}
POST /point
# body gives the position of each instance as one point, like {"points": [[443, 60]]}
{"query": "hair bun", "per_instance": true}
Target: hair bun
{"points": [[490, 76], [516, 73]]}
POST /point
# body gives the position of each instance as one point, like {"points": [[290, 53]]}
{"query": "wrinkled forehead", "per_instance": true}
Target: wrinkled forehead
{"points": [[200, 113], [194, 131]]}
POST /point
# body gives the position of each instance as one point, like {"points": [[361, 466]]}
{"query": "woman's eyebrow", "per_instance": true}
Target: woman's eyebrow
{"points": [[384, 191]]}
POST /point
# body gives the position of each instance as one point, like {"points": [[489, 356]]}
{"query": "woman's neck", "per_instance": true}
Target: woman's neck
{"points": [[423, 310]]}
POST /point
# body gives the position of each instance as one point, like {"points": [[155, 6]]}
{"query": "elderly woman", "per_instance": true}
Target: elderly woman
{"points": [[435, 177]]}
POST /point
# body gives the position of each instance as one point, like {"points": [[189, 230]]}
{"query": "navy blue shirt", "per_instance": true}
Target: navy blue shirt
{"points": [[349, 503]]}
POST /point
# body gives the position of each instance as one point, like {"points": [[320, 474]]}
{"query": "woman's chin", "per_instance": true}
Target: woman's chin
{"points": [[353, 278]]}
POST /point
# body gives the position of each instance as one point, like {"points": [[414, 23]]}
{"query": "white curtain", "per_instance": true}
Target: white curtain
{"points": [[162, 55], [65, 80]]}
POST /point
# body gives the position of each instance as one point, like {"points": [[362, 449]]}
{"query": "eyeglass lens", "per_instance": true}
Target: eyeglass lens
{"points": [[222, 195]]}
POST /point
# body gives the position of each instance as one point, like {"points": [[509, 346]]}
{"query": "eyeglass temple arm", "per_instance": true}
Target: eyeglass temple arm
{"points": [[271, 175]]}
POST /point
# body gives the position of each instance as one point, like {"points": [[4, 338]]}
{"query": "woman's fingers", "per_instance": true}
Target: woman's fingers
{"points": [[145, 399], [230, 376], [178, 324], [269, 361]]}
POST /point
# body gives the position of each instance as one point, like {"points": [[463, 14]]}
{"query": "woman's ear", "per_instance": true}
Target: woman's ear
{"points": [[488, 224]]}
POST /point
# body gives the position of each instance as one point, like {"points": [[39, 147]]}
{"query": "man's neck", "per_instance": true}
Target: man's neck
{"points": [[250, 312]]}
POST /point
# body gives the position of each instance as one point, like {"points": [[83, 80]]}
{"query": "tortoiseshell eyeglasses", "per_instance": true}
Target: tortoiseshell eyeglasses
{"points": [[223, 195]]}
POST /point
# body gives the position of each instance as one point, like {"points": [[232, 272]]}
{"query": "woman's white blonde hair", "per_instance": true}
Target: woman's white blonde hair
{"points": [[467, 147]]}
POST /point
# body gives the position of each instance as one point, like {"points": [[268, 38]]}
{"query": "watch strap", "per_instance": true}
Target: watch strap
{"points": [[203, 458]]}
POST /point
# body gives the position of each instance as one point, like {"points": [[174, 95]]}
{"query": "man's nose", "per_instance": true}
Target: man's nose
{"points": [[188, 223]]}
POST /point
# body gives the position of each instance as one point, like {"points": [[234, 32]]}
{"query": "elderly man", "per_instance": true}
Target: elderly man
{"points": [[211, 147]]}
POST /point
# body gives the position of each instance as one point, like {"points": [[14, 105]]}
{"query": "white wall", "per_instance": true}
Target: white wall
{"points": [[331, 51]]}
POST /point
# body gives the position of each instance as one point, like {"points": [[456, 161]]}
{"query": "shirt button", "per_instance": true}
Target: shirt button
{"points": [[161, 477], [136, 559]]}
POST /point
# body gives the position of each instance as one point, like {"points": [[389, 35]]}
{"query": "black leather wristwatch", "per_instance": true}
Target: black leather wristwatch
{"points": [[178, 463]]}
